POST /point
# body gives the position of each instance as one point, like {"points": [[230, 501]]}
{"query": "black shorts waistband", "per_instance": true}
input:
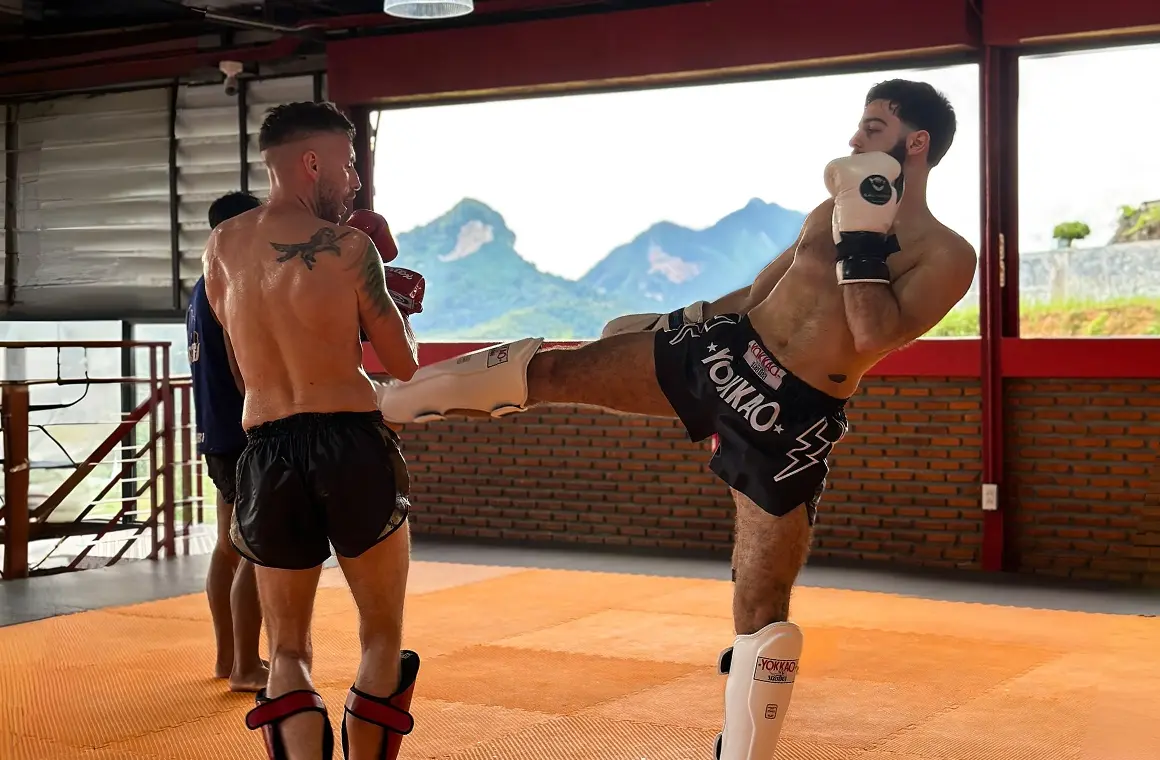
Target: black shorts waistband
{"points": [[791, 384], [310, 422]]}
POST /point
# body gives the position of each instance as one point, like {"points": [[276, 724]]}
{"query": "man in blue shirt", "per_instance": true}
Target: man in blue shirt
{"points": [[230, 585]]}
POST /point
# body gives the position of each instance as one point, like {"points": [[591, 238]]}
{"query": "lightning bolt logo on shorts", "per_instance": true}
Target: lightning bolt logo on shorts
{"points": [[813, 448], [698, 329]]}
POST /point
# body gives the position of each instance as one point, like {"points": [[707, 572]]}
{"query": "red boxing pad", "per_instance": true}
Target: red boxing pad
{"points": [[406, 288], [375, 226]]}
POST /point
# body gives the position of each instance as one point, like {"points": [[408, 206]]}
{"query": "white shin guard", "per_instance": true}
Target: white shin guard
{"points": [[694, 313], [761, 667], [492, 380]]}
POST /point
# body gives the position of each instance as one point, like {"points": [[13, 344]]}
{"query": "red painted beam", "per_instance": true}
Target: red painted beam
{"points": [[1014, 22], [139, 70], [124, 50], [725, 35], [1104, 358]]}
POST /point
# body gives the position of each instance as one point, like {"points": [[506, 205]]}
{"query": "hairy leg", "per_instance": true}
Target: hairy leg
{"points": [[287, 599], [762, 663], [768, 554], [615, 373], [223, 564], [249, 672], [378, 582]]}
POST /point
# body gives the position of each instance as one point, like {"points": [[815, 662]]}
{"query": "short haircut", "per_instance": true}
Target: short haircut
{"points": [[230, 205], [921, 107], [293, 121]]}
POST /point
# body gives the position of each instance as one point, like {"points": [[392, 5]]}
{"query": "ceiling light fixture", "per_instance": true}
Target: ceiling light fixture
{"points": [[428, 9]]}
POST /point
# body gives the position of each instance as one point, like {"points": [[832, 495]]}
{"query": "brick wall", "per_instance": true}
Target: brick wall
{"points": [[1083, 486], [904, 483], [1082, 480]]}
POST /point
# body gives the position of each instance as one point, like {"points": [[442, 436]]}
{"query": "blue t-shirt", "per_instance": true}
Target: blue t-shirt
{"points": [[216, 400]]}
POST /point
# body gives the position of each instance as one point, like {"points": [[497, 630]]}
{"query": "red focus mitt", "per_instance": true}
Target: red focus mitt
{"points": [[406, 288], [375, 226]]}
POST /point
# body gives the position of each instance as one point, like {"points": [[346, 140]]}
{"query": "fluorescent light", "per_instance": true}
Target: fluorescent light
{"points": [[427, 9]]}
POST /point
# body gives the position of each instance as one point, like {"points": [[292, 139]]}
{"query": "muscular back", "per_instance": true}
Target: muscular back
{"points": [[804, 320], [290, 291]]}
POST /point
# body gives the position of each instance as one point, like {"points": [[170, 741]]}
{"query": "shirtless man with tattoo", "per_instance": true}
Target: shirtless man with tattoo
{"points": [[292, 287], [768, 369]]}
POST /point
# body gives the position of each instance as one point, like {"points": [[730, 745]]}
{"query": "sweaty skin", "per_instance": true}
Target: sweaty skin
{"points": [[804, 320], [291, 292], [830, 335]]}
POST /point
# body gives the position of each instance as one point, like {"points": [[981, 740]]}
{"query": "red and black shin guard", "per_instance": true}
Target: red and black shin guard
{"points": [[392, 713], [271, 712]]}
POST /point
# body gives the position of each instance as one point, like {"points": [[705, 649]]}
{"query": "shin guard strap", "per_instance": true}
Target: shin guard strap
{"points": [[280, 708], [379, 711]]}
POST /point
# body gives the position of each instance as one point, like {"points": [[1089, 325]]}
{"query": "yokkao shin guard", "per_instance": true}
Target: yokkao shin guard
{"points": [[491, 380], [761, 669]]}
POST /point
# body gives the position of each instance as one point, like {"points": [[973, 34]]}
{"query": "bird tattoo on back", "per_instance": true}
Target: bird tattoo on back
{"points": [[325, 240]]}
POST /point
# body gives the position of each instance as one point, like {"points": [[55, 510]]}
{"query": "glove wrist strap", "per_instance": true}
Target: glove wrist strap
{"points": [[859, 269], [862, 257], [867, 244]]}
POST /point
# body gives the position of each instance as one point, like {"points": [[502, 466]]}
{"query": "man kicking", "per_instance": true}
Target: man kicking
{"points": [[292, 287], [217, 401], [768, 369]]}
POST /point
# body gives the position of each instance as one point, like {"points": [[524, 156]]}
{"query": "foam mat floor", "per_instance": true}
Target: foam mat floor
{"points": [[527, 664]]}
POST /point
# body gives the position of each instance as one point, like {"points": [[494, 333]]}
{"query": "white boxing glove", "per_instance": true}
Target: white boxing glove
{"points": [[866, 188], [631, 323]]}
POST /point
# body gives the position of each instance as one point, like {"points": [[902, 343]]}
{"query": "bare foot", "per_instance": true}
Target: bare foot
{"points": [[251, 680], [222, 670]]}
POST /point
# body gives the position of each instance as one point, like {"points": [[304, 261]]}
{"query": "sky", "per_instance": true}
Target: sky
{"points": [[575, 176]]}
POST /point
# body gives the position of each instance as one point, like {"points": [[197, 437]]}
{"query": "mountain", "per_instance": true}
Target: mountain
{"points": [[669, 266], [480, 288]]}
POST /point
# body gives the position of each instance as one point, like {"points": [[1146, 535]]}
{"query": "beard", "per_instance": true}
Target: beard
{"points": [[330, 205], [898, 152]]}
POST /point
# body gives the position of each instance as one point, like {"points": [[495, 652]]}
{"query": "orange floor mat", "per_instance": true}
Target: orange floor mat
{"points": [[557, 665]]}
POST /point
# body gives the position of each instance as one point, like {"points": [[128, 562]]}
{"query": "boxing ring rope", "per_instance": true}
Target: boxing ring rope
{"points": [[118, 522]]}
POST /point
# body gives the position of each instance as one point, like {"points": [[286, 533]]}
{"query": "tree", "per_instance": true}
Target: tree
{"points": [[1068, 232]]}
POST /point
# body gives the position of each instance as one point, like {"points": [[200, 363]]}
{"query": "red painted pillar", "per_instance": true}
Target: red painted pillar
{"points": [[998, 286], [364, 155]]}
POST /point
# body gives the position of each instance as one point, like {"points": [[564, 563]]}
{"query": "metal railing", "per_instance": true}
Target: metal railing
{"points": [[157, 477]]}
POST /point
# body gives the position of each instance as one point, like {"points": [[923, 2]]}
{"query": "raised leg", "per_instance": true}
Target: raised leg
{"points": [[768, 553], [615, 373], [223, 565], [287, 599], [377, 710]]}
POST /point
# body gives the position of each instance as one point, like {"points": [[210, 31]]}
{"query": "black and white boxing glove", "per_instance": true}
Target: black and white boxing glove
{"points": [[866, 189]]}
